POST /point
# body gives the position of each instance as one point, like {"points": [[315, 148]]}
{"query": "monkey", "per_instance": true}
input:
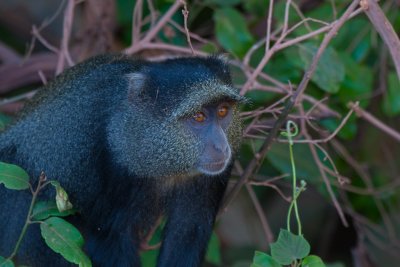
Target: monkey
{"points": [[130, 140]]}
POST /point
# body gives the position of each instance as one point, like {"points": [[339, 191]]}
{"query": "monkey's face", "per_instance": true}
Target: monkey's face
{"points": [[179, 119], [201, 142], [210, 126]]}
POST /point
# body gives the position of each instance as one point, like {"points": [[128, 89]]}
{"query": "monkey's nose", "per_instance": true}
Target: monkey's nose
{"points": [[221, 147]]}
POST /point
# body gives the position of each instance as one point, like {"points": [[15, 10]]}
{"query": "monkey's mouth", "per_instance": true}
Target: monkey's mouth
{"points": [[212, 168]]}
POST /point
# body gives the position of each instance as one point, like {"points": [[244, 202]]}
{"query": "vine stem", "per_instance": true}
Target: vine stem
{"points": [[296, 192], [42, 179]]}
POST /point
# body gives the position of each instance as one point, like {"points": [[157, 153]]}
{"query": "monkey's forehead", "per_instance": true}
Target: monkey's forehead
{"points": [[181, 89], [206, 93]]}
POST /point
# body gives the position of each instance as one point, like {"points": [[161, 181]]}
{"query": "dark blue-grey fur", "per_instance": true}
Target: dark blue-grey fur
{"points": [[108, 130]]}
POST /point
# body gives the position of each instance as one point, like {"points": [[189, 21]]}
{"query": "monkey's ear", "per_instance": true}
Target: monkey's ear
{"points": [[136, 84]]}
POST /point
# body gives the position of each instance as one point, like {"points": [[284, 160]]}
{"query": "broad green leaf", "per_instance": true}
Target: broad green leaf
{"points": [[6, 263], [289, 247], [62, 200], [262, 259], [231, 31], [64, 238], [330, 70], [13, 177], [214, 250], [358, 82], [312, 261], [391, 103], [45, 209]]}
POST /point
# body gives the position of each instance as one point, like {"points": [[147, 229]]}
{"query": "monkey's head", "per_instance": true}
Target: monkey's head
{"points": [[179, 118]]}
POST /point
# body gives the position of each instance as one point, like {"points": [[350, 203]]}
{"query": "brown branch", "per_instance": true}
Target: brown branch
{"points": [[321, 170], [67, 28], [6, 101], [36, 34], [269, 23], [385, 30], [314, 33], [331, 136], [274, 187], [137, 21], [173, 48], [269, 236], [134, 48], [374, 121], [185, 13], [16, 75], [8, 55]]}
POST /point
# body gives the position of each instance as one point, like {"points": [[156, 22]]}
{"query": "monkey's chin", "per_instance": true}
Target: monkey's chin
{"points": [[212, 168]]}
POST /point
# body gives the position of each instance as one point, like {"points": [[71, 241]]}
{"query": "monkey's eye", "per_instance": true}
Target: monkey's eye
{"points": [[199, 117], [222, 111]]}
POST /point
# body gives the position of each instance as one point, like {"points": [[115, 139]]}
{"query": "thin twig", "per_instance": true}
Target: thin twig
{"points": [[144, 43], [185, 13], [324, 176], [269, 23], [67, 28], [374, 121], [137, 21]]}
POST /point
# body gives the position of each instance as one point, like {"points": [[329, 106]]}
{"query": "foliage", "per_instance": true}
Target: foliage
{"points": [[61, 236]]}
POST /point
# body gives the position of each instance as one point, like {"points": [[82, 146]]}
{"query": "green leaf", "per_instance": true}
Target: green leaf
{"points": [[62, 200], [232, 32], [262, 259], [45, 209], [64, 238], [312, 261], [13, 177], [214, 250], [330, 70], [5, 262], [289, 247], [358, 82], [391, 102]]}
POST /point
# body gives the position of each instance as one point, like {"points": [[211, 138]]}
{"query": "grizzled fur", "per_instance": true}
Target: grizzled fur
{"points": [[108, 130]]}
